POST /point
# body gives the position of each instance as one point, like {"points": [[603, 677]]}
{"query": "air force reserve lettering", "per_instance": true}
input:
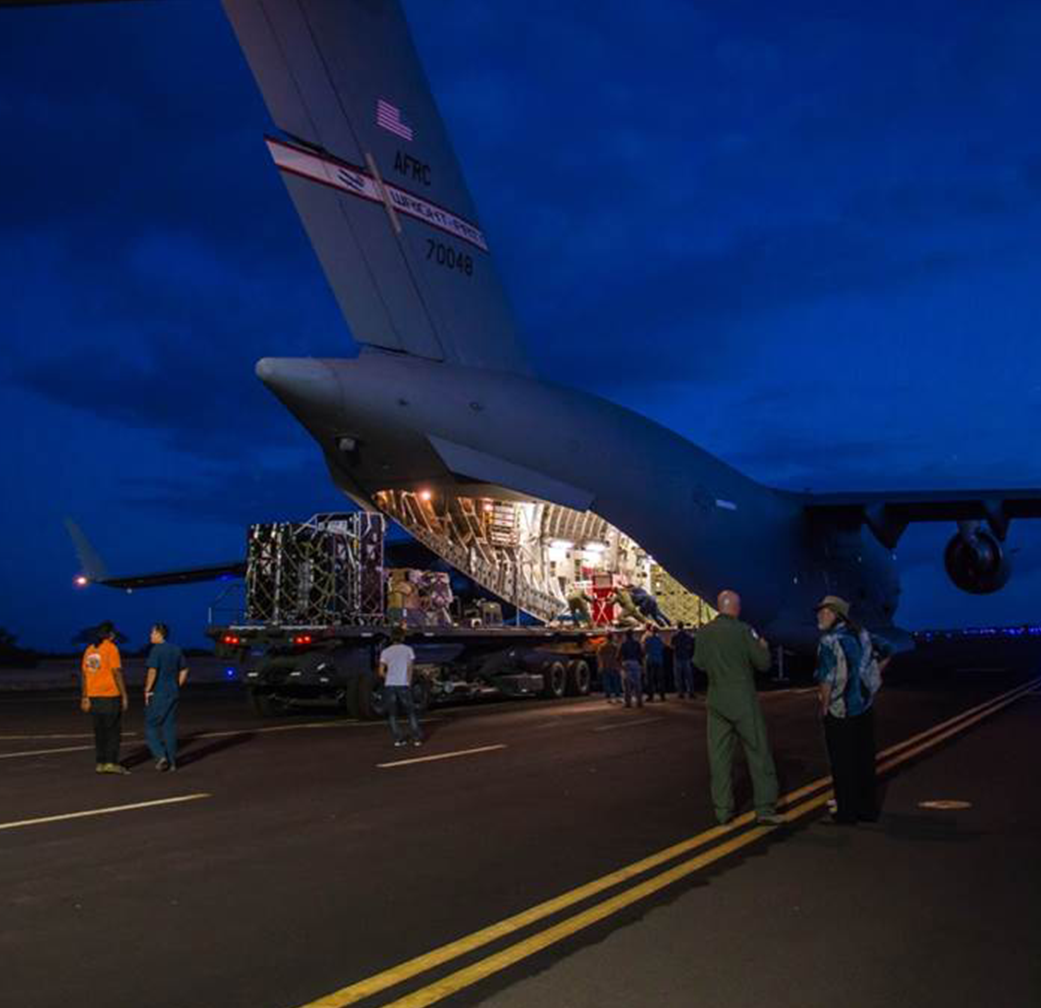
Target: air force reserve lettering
{"points": [[352, 179], [410, 167]]}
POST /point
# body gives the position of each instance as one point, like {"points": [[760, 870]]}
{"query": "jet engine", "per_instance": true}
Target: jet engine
{"points": [[976, 563]]}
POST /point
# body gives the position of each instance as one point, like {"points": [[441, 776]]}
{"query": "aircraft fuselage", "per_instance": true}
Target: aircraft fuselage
{"points": [[388, 421]]}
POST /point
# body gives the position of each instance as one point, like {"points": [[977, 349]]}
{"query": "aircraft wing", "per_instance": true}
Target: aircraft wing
{"points": [[160, 579], [889, 514]]}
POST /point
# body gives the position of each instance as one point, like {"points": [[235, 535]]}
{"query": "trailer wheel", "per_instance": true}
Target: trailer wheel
{"points": [[554, 680], [266, 704], [421, 693], [349, 698], [579, 678], [368, 699]]}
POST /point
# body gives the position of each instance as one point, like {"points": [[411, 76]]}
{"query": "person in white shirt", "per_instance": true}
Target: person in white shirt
{"points": [[396, 672]]}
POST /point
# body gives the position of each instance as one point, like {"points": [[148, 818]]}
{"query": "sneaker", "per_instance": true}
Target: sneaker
{"points": [[172, 768], [772, 819], [116, 768], [162, 764], [417, 742], [99, 768], [398, 743]]}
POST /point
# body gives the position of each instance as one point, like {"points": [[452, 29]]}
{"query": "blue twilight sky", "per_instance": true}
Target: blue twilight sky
{"points": [[805, 235]]}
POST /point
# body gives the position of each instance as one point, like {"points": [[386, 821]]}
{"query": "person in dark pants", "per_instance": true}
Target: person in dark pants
{"points": [[632, 668], [682, 661], [104, 696], [167, 674], [850, 662], [395, 670], [608, 660], [648, 605], [654, 664]]}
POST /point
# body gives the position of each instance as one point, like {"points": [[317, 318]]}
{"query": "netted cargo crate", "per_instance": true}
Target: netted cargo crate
{"points": [[327, 571]]}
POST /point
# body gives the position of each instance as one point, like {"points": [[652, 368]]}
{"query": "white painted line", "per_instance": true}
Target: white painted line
{"points": [[628, 724], [185, 739], [29, 738], [103, 811], [294, 727], [441, 756], [25, 696], [45, 752]]}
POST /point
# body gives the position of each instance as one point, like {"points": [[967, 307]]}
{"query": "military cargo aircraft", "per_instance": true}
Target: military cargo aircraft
{"points": [[527, 486]]}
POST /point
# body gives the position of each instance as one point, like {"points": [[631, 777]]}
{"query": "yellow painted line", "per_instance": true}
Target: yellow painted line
{"points": [[413, 967], [103, 811], [453, 950], [454, 982], [441, 756], [507, 957], [1001, 699], [935, 740]]}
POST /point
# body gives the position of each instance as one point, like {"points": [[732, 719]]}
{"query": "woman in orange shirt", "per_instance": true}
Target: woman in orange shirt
{"points": [[104, 697]]}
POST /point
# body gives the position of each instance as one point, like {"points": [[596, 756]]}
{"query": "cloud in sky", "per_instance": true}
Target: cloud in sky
{"points": [[804, 236]]}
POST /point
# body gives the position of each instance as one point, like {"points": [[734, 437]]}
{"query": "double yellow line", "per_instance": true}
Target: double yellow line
{"points": [[887, 760]]}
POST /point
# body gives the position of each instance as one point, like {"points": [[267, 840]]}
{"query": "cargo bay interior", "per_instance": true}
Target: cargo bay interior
{"points": [[536, 555]]}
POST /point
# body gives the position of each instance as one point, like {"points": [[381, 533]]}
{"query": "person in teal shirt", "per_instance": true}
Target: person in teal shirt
{"points": [[167, 673]]}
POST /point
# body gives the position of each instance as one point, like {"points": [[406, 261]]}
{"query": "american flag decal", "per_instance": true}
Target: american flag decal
{"points": [[389, 118]]}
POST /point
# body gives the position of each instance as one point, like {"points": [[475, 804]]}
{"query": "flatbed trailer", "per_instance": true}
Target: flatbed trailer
{"points": [[286, 667]]}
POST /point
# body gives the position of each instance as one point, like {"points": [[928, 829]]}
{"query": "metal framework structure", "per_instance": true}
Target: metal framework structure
{"points": [[327, 571], [530, 552]]}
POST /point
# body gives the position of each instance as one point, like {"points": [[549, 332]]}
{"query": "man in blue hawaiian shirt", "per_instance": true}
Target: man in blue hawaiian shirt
{"points": [[850, 662]]}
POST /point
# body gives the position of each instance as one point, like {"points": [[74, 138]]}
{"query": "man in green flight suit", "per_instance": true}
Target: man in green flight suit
{"points": [[731, 652]]}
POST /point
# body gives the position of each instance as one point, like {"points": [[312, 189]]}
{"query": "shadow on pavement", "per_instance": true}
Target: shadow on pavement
{"points": [[188, 751]]}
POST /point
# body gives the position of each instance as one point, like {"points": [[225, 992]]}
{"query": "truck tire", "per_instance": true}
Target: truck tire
{"points": [[349, 698], [420, 693], [368, 699], [554, 680], [579, 678], [265, 704]]}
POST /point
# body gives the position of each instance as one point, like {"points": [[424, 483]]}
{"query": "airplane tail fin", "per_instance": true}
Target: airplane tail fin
{"points": [[371, 170], [91, 564]]}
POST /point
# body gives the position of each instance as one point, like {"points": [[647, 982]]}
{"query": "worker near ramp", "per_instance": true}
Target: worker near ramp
{"points": [[731, 652], [628, 614], [850, 663], [578, 603], [167, 674], [648, 605]]}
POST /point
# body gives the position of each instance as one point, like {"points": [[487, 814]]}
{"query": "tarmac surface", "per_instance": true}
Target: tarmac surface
{"points": [[290, 861]]}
